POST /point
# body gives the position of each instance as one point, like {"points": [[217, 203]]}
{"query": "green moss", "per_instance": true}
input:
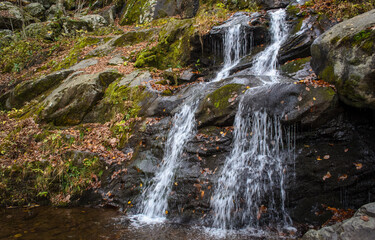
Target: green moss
{"points": [[75, 54], [134, 11], [167, 92], [328, 74], [295, 66], [220, 97], [173, 49], [292, 10]]}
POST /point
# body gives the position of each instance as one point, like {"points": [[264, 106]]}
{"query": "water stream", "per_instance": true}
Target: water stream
{"points": [[252, 178]]}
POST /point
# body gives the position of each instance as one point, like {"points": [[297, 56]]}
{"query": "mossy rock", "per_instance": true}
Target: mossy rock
{"points": [[174, 47], [135, 36], [294, 66], [344, 56], [137, 11], [219, 107], [45, 30]]}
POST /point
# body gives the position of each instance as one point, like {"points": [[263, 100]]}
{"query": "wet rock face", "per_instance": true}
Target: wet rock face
{"points": [[360, 226], [255, 30], [344, 56], [334, 166]]}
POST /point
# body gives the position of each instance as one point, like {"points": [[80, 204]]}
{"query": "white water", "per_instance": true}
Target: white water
{"points": [[155, 197], [235, 46], [265, 63], [254, 170]]}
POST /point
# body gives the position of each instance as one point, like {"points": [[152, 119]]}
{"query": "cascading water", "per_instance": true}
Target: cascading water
{"points": [[255, 167], [155, 197], [266, 61], [235, 44]]}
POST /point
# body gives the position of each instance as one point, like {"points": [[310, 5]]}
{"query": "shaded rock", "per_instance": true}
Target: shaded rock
{"points": [[84, 64], [35, 10], [45, 30], [12, 17], [6, 37], [344, 56], [188, 76], [297, 69], [71, 101], [269, 4], [46, 3], [53, 13], [29, 90], [95, 21], [360, 226]]}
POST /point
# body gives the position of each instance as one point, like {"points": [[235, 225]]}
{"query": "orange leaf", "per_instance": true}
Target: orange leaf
{"points": [[343, 177], [328, 175], [365, 218], [318, 158], [358, 165]]}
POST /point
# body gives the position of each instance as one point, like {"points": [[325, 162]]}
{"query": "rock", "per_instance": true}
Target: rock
{"points": [[269, 4], [344, 56], [54, 13], [26, 91], [135, 36], [84, 64], [360, 226], [46, 3], [219, 107], [72, 26], [297, 69], [71, 101], [109, 14], [126, 96], [45, 30], [6, 37], [95, 21], [116, 61], [178, 39], [146, 11], [12, 17], [36, 10], [188, 76]]}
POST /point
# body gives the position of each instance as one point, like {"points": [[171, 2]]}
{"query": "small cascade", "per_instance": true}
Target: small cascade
{"points": [[252, 173], [266, 61], [235, 45], [156, 195], [252, 179]]}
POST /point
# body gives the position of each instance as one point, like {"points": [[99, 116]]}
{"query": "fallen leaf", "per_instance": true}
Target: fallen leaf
{"points": [[365, 218], [326, 157], [300, 98], [314, 98], [358, 165], [175, 183], [346, 150], [306, 146], [318, 158], [262, 209], [328, 175], [166, 211], [307, 89], [343, 177], [18, 235], [202, 194]]}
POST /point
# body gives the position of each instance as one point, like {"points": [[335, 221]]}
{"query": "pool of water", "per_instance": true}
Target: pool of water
{"points": [[88, 223]]}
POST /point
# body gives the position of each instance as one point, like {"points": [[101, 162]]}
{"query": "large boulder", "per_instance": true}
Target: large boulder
{"points": [[95, 21], [71, 101], [360, 226], [26, 91], [44, 30], [344, 56], [36, 10], [145, 11], [12, 17]]}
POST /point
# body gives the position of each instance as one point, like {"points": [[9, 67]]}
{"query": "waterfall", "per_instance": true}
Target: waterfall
{"points": [[235, 42], [155, 197], [266, 61], [252, 178]]}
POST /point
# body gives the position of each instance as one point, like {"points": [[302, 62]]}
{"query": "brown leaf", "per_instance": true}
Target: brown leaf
{"points": [[326, 157], [365, 218], [346, 150]]}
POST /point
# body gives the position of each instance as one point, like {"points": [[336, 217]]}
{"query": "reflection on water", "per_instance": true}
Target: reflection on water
{"points": [[88, 223]]}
